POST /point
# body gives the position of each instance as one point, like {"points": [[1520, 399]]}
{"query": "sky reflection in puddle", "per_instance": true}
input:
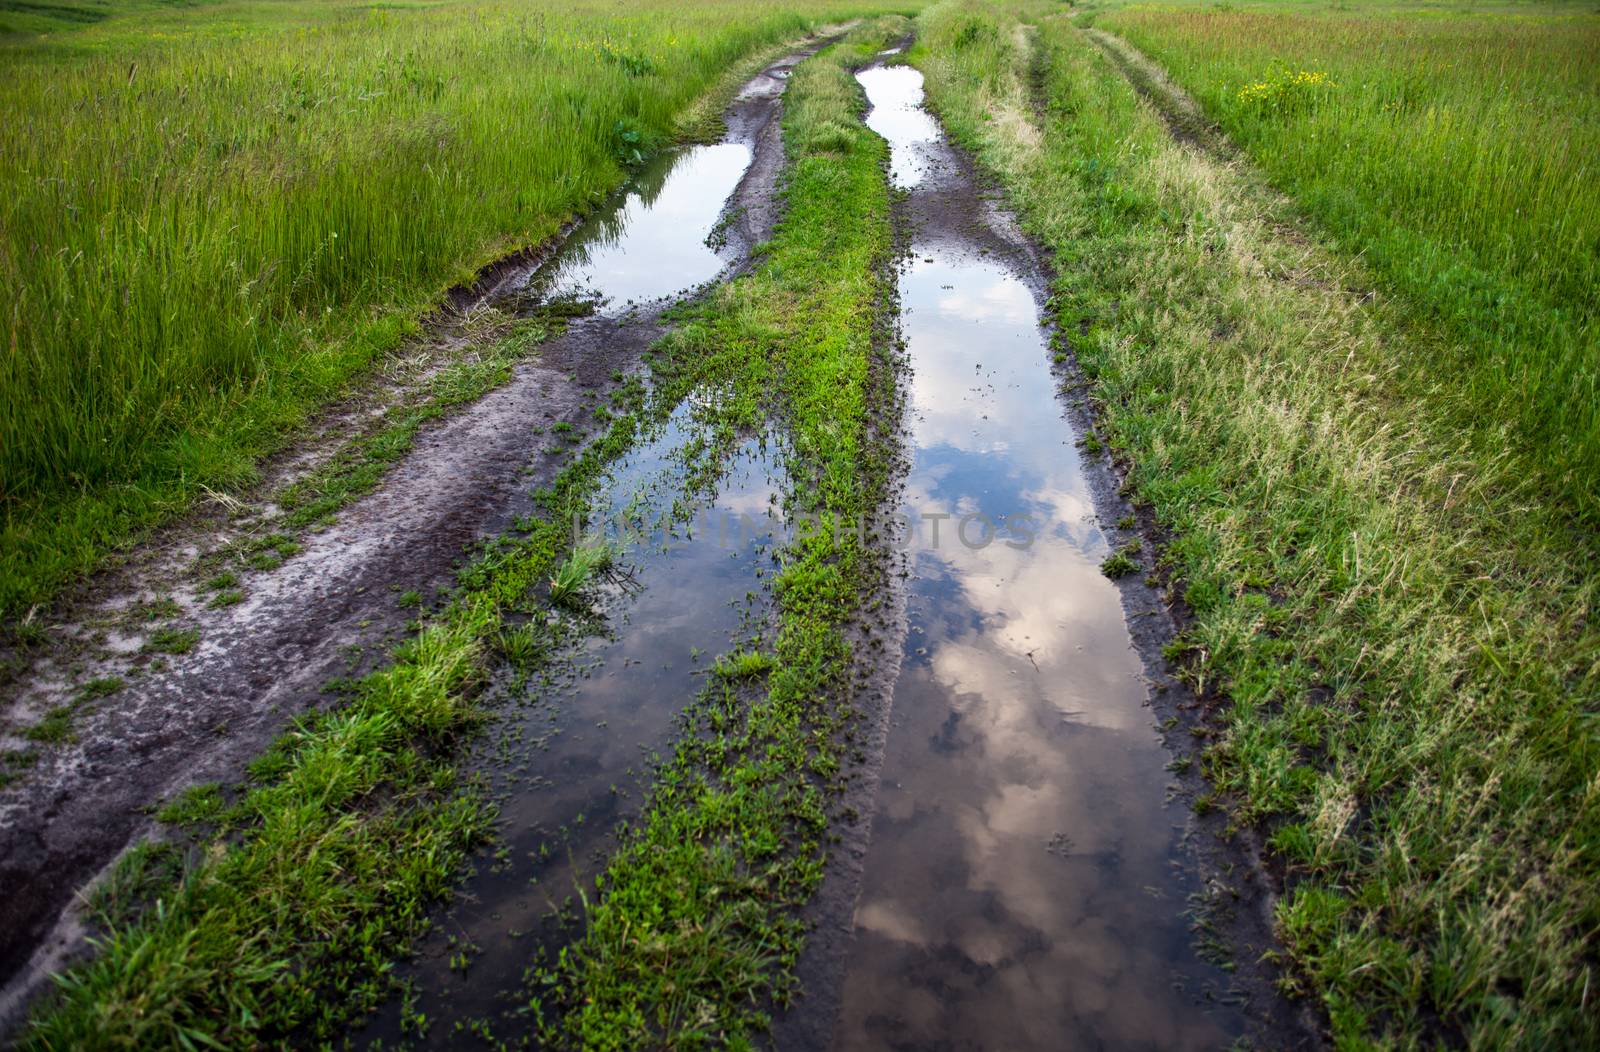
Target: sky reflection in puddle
{"points": [[654, 245], [1023, 887]]}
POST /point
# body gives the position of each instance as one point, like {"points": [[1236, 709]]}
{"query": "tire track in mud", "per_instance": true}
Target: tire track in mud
{"points": [[332, 611], [1027, 879]]}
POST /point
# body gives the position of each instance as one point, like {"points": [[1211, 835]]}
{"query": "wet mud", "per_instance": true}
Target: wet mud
{"points": [[1031, 875], [334, 609]]}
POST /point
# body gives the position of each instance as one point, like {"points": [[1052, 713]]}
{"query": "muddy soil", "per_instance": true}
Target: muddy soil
{"points": [[334, 609], [1033, 875]]}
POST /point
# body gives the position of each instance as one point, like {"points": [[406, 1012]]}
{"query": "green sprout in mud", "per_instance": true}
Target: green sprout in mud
{"points": [[745, 664], [172, 641], [523, 645], [1121, 562], [225, 598], [576, 571]]}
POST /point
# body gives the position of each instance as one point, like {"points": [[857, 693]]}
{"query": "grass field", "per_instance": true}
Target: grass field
{"points": [[215, 216], [1325, 275], [1455, 151]]}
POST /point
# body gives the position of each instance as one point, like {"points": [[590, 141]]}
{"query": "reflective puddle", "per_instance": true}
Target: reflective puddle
{"points": [[898, 116], [1023, 888], [655, 243], [571, 758]]}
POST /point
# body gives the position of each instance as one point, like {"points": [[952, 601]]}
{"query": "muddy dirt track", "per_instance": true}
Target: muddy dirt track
{"points": [[331, 610], [1019, 869]]}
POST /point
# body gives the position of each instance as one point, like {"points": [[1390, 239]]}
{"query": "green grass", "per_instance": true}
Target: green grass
{"points": [[577, 571], [212, 218], [1454, 149], [693, 929], [172, 641], [1393, 610]]}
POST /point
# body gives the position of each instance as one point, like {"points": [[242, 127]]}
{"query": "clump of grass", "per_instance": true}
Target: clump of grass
{"points": [[1284, 91], [523, 646], [54, 727], [1121, 562], [171, 641], [744, 664], [222, 581], [101, 687], [576, 571]]}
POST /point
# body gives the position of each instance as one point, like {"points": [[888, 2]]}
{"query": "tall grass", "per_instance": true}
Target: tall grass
{"points": [[210, 219], [1458, 153]]}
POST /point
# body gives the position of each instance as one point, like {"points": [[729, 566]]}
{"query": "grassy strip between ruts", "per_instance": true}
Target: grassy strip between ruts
{"points": [[693, 932], [1454, 150], [1398, 629]]}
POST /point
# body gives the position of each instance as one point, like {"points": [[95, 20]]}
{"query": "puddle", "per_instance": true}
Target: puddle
{"points": [[1024, 887], [655, 243], [898, 116], [571, 758]]}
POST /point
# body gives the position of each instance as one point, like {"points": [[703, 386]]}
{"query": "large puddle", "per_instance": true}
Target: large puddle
{"points": [[657, 243], [1024, 887]]}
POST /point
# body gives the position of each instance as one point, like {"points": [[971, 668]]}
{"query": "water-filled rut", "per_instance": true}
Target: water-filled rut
{"points": [[572, 751], [1027, 878]]}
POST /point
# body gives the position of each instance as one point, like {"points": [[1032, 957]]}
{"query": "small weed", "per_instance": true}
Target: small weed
{"points": [[745, 664], [100, 688], [1121, 562], [574, 574], [171, 641], [54, 728]]}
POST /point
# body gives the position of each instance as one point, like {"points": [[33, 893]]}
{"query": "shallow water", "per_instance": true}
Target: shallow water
{"points": [[898, 116], [1024, 887], [570, 759], [654, 244]]}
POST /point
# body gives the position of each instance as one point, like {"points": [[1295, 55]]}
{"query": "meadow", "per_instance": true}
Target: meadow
{"points": [[214, 217], [1454, 149], [1338, 334]]}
